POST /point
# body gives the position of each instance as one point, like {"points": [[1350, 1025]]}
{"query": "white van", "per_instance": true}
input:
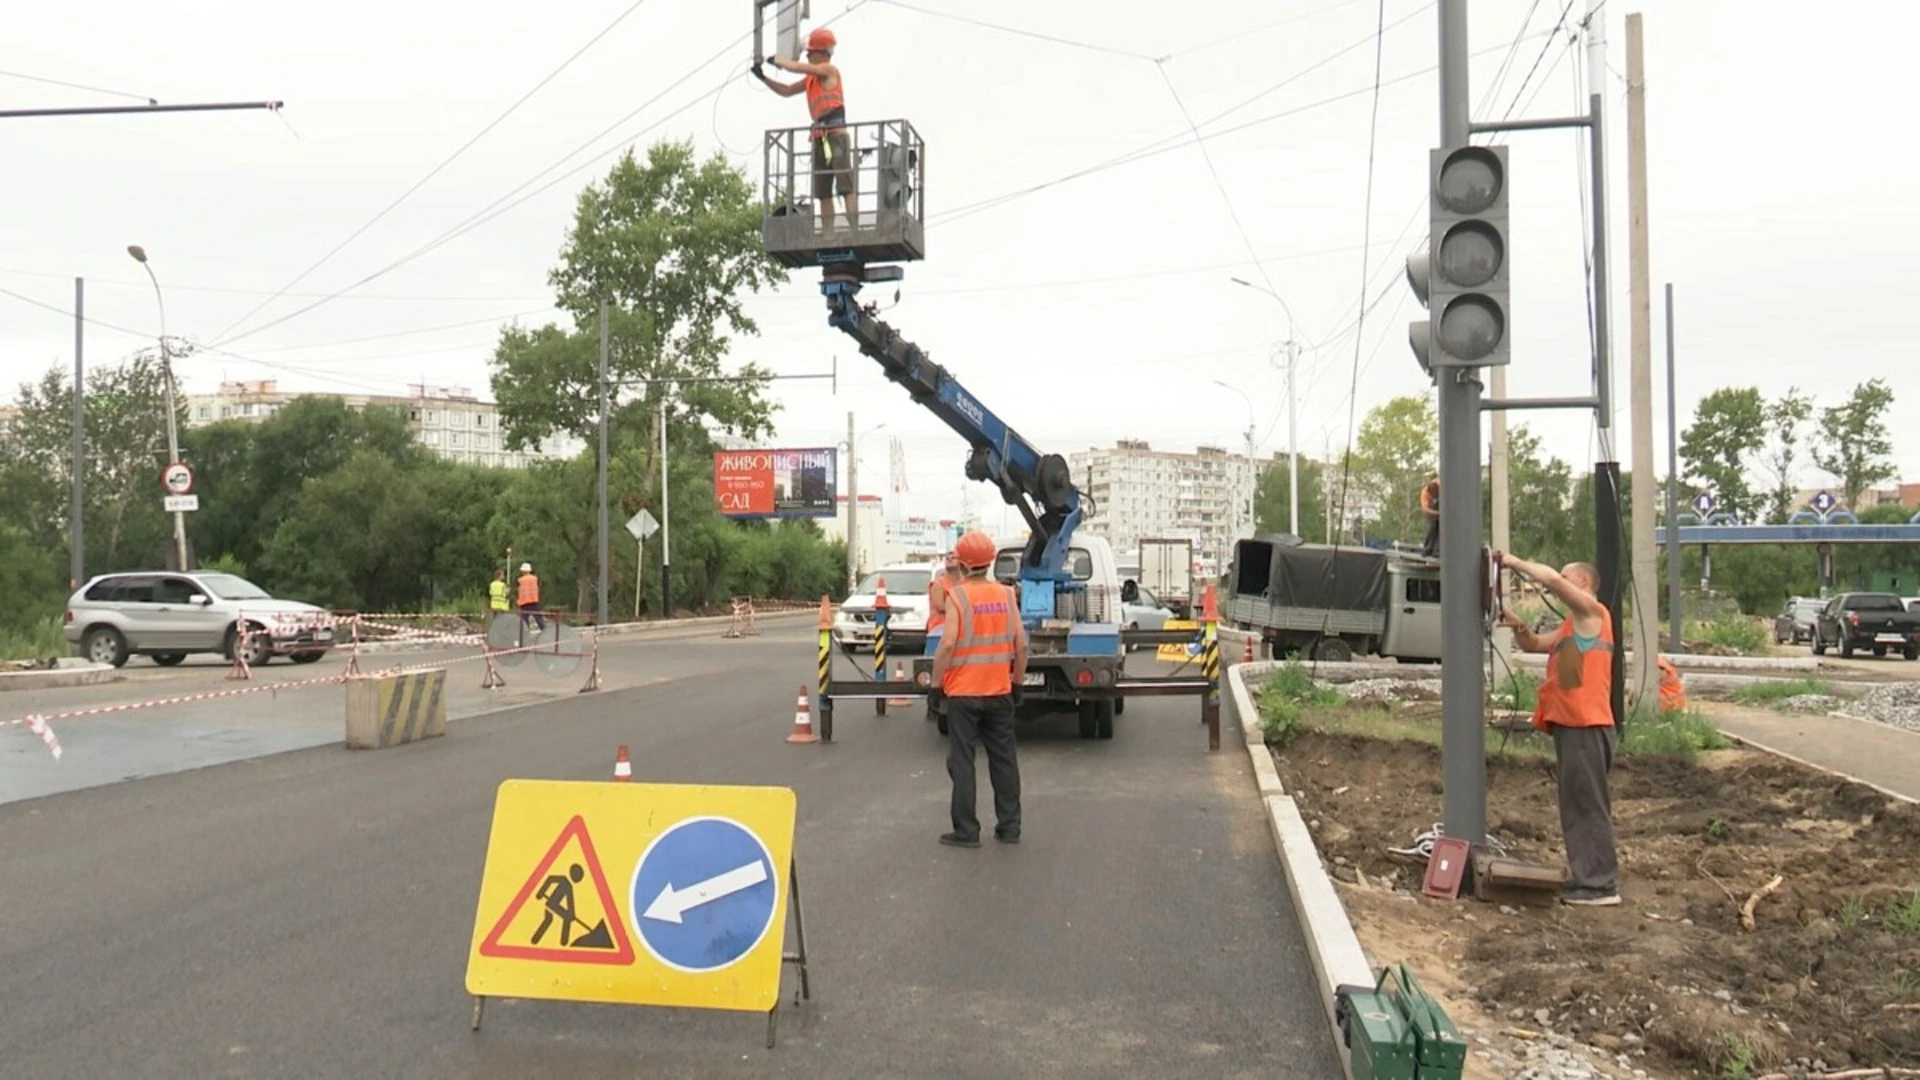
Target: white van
{"points": [[853, 625]]}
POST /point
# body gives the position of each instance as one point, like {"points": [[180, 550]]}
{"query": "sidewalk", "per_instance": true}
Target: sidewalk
{"points": [[1878, 754]]}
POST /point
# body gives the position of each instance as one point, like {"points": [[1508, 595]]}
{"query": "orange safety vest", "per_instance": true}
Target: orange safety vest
{"points": [[937, 591], [1430, 499], [982, 663], [529, 590], [1578, 688], [1673, 692], [828, 107]]}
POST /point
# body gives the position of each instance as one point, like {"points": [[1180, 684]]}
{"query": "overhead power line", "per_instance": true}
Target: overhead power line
{"points": [[79, 86]]}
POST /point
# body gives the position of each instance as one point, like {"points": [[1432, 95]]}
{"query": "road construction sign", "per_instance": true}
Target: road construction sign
{"points": [[1176, 652], [637, 894]]}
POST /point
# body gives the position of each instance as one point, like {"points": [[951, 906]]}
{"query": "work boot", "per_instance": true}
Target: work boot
{"points": [[954, 839], [1590, 897]]}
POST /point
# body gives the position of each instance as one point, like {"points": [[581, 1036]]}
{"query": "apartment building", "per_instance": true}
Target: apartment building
{"points": [[1139, 492], [448, 420]]}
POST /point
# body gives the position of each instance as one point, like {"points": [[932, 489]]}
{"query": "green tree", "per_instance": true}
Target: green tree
{"points": [[360, 536], [1853, 443], [1729, 427], [1392, 457], [1272, 507], [1539, 498], [1786, 419]]}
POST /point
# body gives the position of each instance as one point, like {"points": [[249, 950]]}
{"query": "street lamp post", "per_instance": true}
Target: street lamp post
{"points": [[173, 402], [1250, 465], [1292, 349]]}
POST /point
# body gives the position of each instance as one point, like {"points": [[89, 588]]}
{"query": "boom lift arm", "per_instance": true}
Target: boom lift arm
{"points": [[1039, 485]]}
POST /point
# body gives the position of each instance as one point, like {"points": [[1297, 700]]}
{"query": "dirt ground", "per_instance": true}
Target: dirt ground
{"points": [[1669, 982]]}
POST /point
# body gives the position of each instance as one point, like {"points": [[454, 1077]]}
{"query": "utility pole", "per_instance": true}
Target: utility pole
{"points": [[173, 406], [1293, 442], [600, 597], [1646, 567], [1606, 471], [666, 519], [1673, 494], [853, 507], [1463, 688], [76, 528]]}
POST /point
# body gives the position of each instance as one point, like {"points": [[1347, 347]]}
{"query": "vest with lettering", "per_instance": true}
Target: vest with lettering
{"points": [[1577, 690], [497, 595], [827, 105], [529, 590], [983, 643]]}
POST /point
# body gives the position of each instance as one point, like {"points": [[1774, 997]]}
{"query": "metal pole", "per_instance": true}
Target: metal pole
{"points": [[1607, 469], [1293, 442], [173, 405], [76, 527], [1463, 689], [666, 517], [601, 472], [1644, 560], [1674, 642], [853, 508], [108, 110]]}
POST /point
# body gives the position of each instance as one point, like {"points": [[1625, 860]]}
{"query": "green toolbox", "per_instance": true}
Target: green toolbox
{"points": [[1394, 1030]]}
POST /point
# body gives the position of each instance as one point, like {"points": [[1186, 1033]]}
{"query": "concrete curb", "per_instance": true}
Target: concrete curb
{"points": [[69, 673], [610, 630], [1332, 945]]}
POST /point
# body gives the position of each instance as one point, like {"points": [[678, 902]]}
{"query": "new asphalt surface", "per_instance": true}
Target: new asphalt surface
{"points": [[309, 913]]}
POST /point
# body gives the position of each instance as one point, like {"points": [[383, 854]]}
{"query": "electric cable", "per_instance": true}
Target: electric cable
{"points": [[408, 333], [969, 20], [437, 169], [149, 99]]}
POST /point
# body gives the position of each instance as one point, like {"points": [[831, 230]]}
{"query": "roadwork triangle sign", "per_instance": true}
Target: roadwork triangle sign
{"points": [[565, 913]]}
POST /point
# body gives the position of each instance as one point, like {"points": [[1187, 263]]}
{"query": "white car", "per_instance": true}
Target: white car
{"points": [[853, 624]]}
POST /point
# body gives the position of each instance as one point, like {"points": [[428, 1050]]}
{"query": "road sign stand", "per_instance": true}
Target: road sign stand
{"points": [[797, 958]]}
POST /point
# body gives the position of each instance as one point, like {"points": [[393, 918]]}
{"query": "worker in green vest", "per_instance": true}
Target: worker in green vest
{"points": [[497, 593]]}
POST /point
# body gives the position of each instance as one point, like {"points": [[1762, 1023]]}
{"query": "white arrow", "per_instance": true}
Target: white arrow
{"points": [[670, 905]]}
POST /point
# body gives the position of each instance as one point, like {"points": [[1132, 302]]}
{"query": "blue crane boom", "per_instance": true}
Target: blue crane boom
{"points": [[1039, 485]]}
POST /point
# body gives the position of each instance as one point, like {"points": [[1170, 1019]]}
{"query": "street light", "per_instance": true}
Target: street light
{"points": [[852, 444], [1292, 349], [173, 402]]}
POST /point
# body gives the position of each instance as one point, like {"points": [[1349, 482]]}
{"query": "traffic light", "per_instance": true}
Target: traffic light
{"points": [[1467, 258], [1420, 334]]}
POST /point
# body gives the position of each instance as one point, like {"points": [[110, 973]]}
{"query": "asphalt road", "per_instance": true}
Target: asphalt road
{"points": [[309, 913]]}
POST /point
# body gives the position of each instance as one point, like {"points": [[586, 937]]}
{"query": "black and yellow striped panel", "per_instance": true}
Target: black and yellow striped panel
{"points": [[412, 707]]}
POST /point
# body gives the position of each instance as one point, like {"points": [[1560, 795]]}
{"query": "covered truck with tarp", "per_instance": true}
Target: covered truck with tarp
{"points": [[1330, 602]]}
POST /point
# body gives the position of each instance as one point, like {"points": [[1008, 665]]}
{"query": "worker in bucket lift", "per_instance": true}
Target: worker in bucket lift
{"points": [[826, 104], [1576, 708]]}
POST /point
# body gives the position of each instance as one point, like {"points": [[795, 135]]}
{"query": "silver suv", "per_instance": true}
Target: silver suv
{"points": [[168, 615]]}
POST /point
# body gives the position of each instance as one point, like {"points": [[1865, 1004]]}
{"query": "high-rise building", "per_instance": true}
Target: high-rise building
{"points": [[447, 420], [1139, 492]]}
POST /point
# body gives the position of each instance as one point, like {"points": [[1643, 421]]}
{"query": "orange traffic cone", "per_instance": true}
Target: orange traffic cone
{"points": [[899, 675], [803, 721], [1246, 655], [622, 768]]}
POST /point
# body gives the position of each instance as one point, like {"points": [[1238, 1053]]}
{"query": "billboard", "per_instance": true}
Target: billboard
{"points": [[776, 483]]}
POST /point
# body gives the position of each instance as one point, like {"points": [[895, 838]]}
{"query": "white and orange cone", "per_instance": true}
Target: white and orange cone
{"points": [[803, 721], [1246, 657], [622, 767], [899, 675]]}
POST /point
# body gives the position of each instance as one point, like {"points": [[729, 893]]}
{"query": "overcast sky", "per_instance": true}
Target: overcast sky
{"points": [[1094, 308]]}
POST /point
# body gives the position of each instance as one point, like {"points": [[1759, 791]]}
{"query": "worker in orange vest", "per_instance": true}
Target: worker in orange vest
{"points": [[529, 599], [937, 589], [1673, 692], [827, 106], [1576, 707], [979, 663], [1430, 506]]}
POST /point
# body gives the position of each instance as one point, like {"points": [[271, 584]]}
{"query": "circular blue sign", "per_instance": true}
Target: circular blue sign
{"points": [[703, 894]]}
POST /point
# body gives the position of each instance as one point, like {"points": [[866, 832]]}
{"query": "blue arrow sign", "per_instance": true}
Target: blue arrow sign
{"points": [[703, 894], [1703, 503], [1823, 502]]}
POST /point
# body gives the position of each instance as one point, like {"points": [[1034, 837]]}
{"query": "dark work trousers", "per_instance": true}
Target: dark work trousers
{"points": [[1431, 545], [1583, 757], [989, 720]]}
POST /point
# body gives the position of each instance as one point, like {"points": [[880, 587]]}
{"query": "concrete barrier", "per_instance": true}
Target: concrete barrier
{"points": [[391, 710], [67, 671]]}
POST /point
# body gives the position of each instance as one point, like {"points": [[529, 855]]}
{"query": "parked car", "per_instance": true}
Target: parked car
{"points": [[906, 601], [1867, 620], [1795, 622], [1140, 609], [168, 615]]}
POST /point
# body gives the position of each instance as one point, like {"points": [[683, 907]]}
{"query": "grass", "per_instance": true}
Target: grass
{"points": [[37, 641], [1286, 698], [1773, 692], [1285, 712], [1675, 734], [1903, 915], [1852, 910], [1735, 633], [1517, 690]]}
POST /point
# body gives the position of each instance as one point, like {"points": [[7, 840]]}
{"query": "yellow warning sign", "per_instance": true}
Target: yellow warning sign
{"points": [[639, 894], [1183, 650]]}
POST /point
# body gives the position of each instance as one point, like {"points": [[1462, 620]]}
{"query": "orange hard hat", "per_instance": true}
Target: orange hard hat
{"points": [[821, 40], [975, 550]]}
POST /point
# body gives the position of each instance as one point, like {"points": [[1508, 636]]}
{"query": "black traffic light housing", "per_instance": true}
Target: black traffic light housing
{"points": [[1466, 260]]}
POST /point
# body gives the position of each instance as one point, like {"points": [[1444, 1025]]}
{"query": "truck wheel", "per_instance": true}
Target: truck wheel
{"points": [[1088, 725], [1103, 718], [1119, 706], [1819, 647], [1880, 650], [1332, 650], [1911, 652], [104, 645], [1846, 648]]}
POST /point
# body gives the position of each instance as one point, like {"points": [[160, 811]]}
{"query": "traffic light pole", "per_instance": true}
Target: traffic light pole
{"points": [[1463, 687]]}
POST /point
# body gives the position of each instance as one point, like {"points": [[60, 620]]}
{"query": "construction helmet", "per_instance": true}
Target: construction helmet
{"points": [[821, 40], [526, 566], [975, 550]]}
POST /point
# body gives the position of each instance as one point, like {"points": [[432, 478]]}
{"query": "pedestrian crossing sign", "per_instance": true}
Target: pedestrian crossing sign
{"points": [[635, 894]]}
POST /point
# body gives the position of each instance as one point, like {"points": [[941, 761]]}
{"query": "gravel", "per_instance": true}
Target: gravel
{"points": [[1364, 690], [1897, 704], [1813, 703]]}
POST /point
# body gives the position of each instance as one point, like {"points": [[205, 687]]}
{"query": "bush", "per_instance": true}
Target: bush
{"points": [[1734, 632], [1518, 691], [36, 641], [1288, 692], [1675, 734]]}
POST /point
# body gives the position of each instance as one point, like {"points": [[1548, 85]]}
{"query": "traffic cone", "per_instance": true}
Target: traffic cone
{"points": [[622, 768], [1246, 655], [803, 721], [899, 675]]}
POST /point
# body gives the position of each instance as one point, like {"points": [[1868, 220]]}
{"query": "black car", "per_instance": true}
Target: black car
{"points": [[1867, 620], [1795, 622]]}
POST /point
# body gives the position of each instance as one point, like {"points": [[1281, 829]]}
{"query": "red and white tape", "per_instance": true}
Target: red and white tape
{"points": [[39, 726]]}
